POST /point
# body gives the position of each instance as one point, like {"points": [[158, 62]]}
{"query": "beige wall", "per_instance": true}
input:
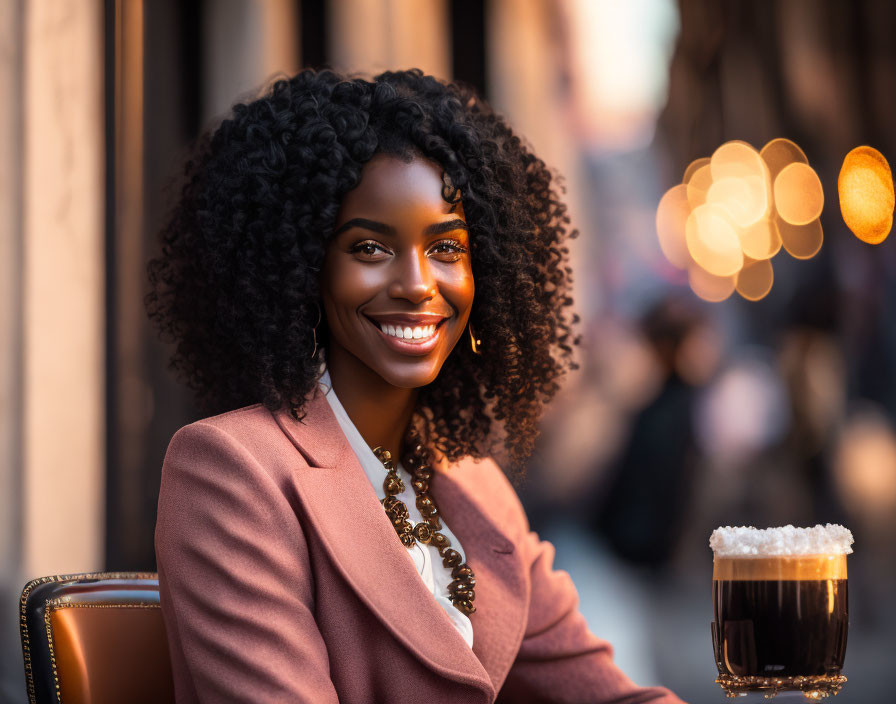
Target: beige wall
{"points": [[247, 42], [374, 35], [62, 304]]}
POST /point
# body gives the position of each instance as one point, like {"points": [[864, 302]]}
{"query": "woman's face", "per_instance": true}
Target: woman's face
{"points": [[397, 282]]}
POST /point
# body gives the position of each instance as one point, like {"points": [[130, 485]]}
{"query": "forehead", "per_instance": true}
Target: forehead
{"points": [[389, 183]]}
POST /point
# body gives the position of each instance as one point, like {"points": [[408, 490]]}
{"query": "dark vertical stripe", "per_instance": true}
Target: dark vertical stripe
{"points": [[468, 39], [191, 59], [314, 33], [111, 60], [172, 77]]}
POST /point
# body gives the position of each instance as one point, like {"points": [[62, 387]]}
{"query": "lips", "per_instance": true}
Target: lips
{"points": [[407, 319], [409, 346]]}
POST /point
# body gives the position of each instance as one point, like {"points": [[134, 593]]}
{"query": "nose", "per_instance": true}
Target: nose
{"points": [[414, 279]]}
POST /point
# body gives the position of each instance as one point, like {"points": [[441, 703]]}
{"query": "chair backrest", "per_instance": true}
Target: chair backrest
{"points": [[95, 639]]}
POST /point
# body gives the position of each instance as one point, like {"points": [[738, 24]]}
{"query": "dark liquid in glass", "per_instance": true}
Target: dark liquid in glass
{"points": [[780, 627]]}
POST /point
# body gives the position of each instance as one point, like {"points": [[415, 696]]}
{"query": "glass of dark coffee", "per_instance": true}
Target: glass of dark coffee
{"points": [[780, 609]]}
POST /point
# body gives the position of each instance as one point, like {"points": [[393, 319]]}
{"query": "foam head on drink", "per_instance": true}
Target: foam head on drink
{"points": [[780, 553], [780, 602]]}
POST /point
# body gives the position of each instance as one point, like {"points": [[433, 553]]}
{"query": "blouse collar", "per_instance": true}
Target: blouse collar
{"points": [[371, 465]]}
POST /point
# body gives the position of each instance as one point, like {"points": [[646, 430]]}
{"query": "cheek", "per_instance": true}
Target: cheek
{"points": [[343, 285], [460, 288], [337, 293]]}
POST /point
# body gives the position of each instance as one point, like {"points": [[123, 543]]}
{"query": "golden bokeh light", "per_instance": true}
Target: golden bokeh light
{"points": [[745, 199], [692, 168], [712, 240], [761, 240], [709, 287], [865, 186], [698, 185], [799, 198], [755, 279], [801, 241], [734, 211], [780, 153], [671, 218], [736, 160]]}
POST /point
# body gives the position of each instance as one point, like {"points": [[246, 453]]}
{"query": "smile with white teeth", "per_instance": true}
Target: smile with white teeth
{"points": [[420, 332]]}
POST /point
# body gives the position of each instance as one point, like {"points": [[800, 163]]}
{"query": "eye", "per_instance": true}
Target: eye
{"points": [[449, 250], [367, 250]]}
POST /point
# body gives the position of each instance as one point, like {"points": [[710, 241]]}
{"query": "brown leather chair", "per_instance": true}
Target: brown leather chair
{"points": [[95, 639]]}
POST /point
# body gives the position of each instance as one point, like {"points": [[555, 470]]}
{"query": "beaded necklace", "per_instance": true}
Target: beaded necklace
{"points": [[460, 591]]}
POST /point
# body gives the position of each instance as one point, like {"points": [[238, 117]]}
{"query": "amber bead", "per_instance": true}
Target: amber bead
{"points": [[393, 485], [450, 558], [435, 522], [464, 594], [426, 507], [465, 607], [420, 487], [423, 533], [407, 539], [398, 512], [423, 474], [467, 583], [428, 511], [440, 541], [461, 571]]}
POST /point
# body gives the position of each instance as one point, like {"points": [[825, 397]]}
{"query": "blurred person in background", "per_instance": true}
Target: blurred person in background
{"points": [[646, 495]]}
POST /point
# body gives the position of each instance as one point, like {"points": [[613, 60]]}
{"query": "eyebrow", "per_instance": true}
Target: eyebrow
{"points": [[439, 228]]}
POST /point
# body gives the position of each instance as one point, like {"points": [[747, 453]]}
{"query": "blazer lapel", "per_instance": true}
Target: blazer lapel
{"points": [[344, 509], [499, 621]]}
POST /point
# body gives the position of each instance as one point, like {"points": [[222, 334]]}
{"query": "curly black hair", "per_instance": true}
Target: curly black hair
{"points": [[235, 284]]}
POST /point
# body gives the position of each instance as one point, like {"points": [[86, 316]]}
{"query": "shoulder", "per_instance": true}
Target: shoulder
{"points": [[226, 490], [243, 426], [240, 463], [483, 480], [248, 440], [236, 423]]}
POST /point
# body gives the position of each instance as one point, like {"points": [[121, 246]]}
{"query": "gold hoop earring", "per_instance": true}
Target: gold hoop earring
{"points": [[475, 342]]}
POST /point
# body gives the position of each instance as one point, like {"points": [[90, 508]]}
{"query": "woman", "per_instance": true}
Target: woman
{"points": [[367, 281]]}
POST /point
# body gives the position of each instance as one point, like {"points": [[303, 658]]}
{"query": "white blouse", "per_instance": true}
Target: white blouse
{"points": [[425, 557]]}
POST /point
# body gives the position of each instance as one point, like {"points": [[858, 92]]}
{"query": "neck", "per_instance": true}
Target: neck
{"points": [[380, 411]]}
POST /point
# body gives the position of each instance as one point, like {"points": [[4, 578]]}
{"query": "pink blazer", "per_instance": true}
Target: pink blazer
{"points": [[282, 580]]}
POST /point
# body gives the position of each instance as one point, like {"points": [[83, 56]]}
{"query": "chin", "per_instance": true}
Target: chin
{"points": [[413, 377]]}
